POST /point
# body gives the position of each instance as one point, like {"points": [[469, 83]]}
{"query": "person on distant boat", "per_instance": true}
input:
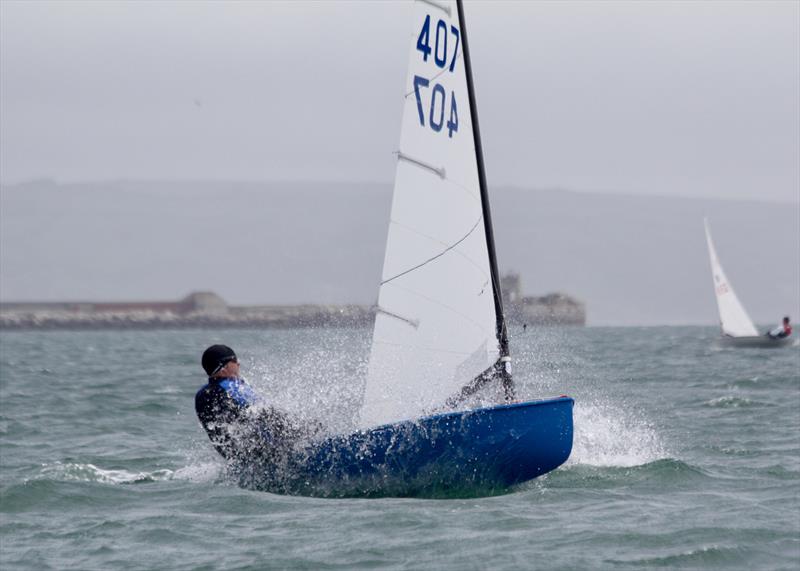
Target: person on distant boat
{"points": [[237, 420], [781, 331]]}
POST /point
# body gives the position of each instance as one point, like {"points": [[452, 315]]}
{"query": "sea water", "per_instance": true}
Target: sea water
{"points": [[686, 456]]}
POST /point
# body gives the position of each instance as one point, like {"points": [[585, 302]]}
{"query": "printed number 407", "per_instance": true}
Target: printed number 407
{"points": [[436, 114], [440, 43]]}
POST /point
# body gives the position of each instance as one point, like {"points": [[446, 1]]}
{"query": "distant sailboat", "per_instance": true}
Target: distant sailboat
{"points": [[737, 327], [440, 335]]}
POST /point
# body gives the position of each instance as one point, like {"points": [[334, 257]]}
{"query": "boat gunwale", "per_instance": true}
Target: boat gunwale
{"points": [[561, 399]]}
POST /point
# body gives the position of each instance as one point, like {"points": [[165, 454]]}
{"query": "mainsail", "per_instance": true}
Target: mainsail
{"points": [[732, 315], [439, 320]]}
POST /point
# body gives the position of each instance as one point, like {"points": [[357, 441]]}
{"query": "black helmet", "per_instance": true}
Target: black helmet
{"points": [[216, 357]]}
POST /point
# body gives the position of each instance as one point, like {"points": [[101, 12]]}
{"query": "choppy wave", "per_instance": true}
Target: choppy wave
{"points": [[87, 472], [667, 470], [78, 472], [731, 402], [708, 555], [664, 472]]}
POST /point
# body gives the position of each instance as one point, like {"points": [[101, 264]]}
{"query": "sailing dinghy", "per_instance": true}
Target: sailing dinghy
{"points": [[440, 340], [737, 328]]}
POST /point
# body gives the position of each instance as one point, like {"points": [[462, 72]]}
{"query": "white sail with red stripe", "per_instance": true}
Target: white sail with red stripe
{"points": [[732, 316]]}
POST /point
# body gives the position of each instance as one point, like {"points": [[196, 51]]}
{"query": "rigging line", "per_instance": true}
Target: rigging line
{"points": [[439, 255], [432, 239], [423, 349], [476, 197], [463, 316]]}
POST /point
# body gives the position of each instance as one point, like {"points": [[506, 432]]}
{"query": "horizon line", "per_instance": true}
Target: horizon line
{"points": [[387, 183]]}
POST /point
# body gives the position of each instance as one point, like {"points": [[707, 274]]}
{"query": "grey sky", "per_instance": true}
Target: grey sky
{"points": [[678, 98]]}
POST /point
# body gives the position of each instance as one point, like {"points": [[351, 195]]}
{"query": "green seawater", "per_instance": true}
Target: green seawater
{"points": [[686, 456]]}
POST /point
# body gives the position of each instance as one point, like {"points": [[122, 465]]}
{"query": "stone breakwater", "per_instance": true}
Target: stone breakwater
{"points": [[273, 317], [206, 309]]}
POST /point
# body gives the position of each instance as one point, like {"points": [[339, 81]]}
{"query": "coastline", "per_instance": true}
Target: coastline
{"points": [[301, 316], [207, 309]]}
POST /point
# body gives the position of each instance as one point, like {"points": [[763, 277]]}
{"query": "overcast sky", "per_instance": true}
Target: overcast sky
{"points": [[669, 98]]}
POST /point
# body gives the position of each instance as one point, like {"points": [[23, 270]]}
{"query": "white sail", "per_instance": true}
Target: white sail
{"points": [[732, 315], [435, 328]]}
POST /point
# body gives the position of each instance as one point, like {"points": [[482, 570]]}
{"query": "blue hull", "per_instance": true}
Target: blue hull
{"points": [[460, 454]]}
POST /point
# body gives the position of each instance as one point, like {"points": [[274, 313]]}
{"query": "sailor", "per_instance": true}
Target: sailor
{"points": [[782, 330], [237, 420]]}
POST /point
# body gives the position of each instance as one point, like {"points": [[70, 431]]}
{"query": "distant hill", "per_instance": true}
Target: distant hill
{"points": [[632, 260]]}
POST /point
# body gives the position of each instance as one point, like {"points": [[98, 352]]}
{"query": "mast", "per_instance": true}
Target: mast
{"points": [[501, 331]]}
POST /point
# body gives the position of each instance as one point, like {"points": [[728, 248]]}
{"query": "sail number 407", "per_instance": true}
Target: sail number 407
{"points": [[438, 98], [436, 114], [439, 55]]}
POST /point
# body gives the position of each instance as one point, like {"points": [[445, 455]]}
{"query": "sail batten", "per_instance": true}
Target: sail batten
{"points": [[440, 5], [439, 171]]}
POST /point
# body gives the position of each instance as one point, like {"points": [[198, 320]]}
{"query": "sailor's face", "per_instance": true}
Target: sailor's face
{"points": [[231, 368]]}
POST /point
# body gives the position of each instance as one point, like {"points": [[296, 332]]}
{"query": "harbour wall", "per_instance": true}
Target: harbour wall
{"points": [[208, 310]]}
